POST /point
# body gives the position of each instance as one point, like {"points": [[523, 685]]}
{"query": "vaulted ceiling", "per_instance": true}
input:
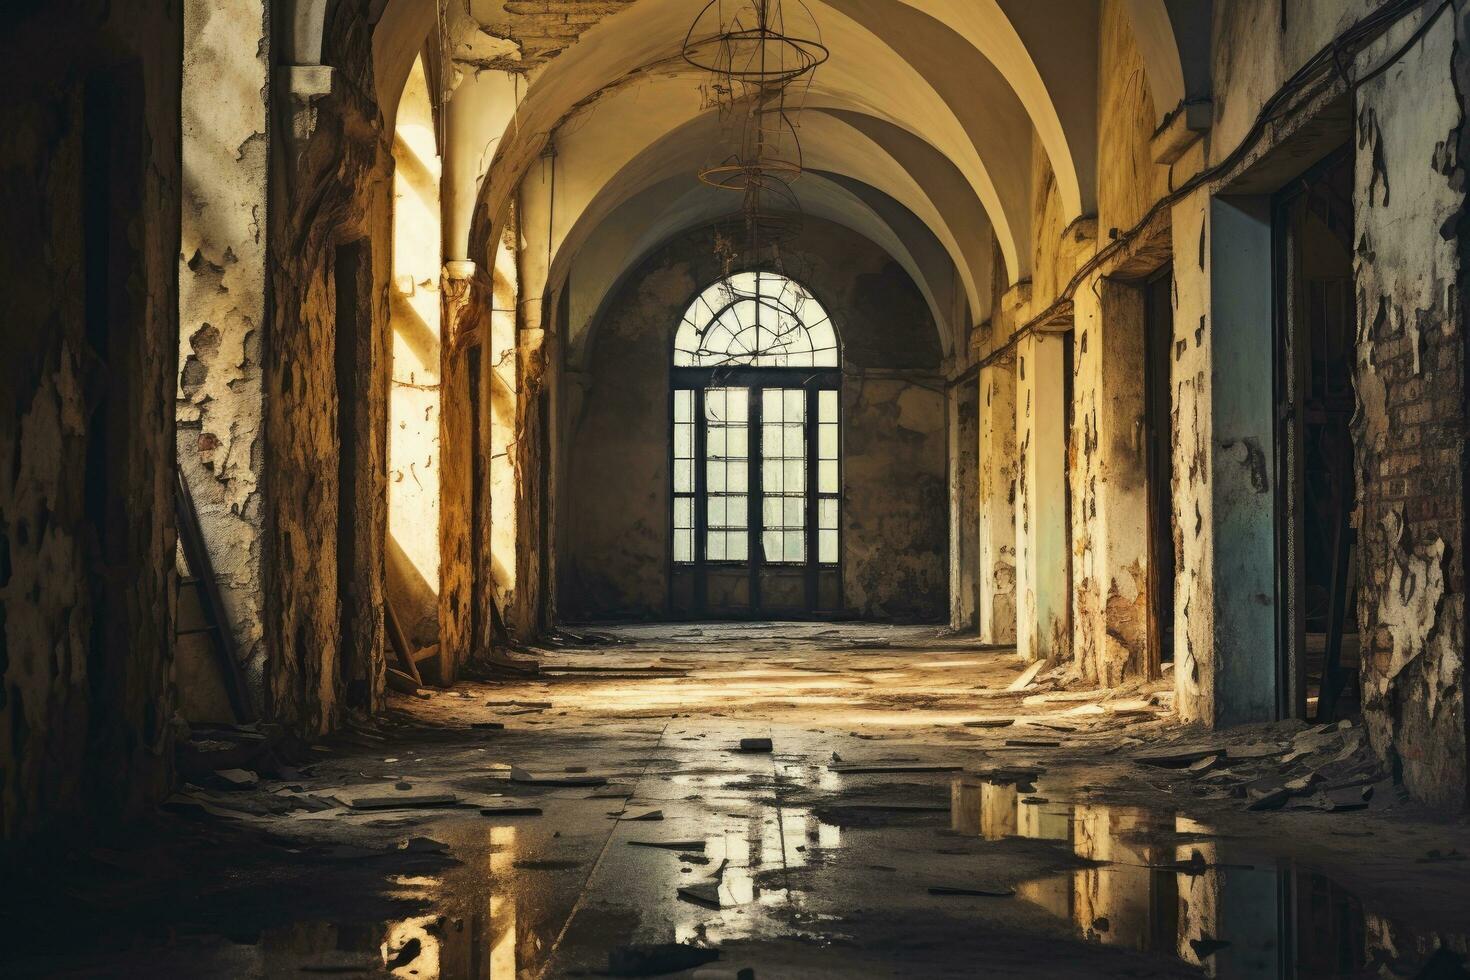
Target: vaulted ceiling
{"points": [[919, 131]]}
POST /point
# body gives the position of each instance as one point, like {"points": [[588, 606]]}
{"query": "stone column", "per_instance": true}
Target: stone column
{"points": [[465, 311], [964, 500], [1109, 482], [1041, 507], [997, 494], [1225, 627]]}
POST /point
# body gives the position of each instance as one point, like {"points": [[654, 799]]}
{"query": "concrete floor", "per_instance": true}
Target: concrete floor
{"points": [[794, 865]]}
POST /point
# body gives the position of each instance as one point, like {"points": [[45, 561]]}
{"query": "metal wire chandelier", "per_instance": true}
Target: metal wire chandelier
{"points": [[760, 56]]}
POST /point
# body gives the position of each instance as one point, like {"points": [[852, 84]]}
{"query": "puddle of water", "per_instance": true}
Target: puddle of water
{"points": [[1159, 886]]}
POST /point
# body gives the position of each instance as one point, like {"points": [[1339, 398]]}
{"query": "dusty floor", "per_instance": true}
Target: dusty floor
{"points": [[1076, 836]]}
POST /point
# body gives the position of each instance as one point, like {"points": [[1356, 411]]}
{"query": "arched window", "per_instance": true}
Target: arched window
{"points": [[756, 459], [756, 319]]}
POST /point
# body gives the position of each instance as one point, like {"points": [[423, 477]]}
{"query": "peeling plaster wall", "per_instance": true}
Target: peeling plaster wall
{"points": [[334, 186], [1109, 488], [87, 533], [222, 300], [615, 510], [1409, 430], [997, 493]]}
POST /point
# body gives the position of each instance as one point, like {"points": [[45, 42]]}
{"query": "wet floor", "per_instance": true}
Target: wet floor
{"points": [[882, 837]]}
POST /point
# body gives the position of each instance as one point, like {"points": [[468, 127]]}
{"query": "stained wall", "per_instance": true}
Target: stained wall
{"points": [[614, 518], [89, 185]]}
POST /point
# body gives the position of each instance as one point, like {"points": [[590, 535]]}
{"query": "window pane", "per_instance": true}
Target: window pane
{"points": [[827, 547], [771, 405], [795, 403], [738, 476], [683, 512], [714, 549], [826, 406], [827, 477], [795, 442], [771, 544], [827, 513], [795, 476], [684, 476], [795, 546], [683, 545], [715, 477], [827, 441], [735, 546]]}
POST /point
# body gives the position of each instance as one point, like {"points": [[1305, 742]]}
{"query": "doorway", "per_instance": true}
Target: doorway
{"points": [[1313, 230], [353, 317], [756, 453], [1158, 319]]}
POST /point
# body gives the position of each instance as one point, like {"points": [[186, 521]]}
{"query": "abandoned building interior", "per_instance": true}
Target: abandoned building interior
{"points": [[734, 488]]}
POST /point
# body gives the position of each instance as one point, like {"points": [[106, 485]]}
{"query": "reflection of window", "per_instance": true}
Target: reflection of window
{"points": [[757, 319], [756, 427]]}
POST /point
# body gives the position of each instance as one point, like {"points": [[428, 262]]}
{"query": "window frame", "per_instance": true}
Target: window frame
{"points": [[812, 381]]}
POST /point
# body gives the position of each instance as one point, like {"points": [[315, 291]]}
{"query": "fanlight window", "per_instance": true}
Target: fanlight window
{"points": [[756, 319]]}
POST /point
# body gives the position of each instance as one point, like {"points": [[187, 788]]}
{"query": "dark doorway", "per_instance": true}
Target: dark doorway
{"points": [[1313, 225], [353, 319], [1158, 320]]}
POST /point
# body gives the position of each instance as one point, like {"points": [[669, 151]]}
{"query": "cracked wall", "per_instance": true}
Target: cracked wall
{"points": [[1409, 431], [222, 301], [615, 509], [89, 185], [997, 492], [334, 188]]}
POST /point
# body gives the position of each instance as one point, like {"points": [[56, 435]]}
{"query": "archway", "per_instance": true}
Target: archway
{"points": [[756, 449]]}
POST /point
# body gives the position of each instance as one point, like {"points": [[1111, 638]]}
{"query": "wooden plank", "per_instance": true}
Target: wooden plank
{"points": [[196, 554], [399, 641]]}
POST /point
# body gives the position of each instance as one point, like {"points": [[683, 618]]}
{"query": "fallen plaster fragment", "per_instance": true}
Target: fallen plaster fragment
{"points": [[1257, 750], [402, 802], [519, 775], [948, 890], [1027, 676], [755, 745], [899, 767], [1032, 743], [517, 810], [989, 723], [706, 892], [670, 845], [237, 778]]}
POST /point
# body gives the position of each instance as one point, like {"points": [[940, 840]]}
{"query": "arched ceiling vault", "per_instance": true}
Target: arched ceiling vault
{"points": [[585, 196], [933, 104]]}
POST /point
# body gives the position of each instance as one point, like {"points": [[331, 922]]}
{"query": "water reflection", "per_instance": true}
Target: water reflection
{"points": [[754, 858], [1160, 885]]}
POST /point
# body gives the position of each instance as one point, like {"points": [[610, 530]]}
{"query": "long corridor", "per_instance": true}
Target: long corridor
{"points": [[926, 808]]}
